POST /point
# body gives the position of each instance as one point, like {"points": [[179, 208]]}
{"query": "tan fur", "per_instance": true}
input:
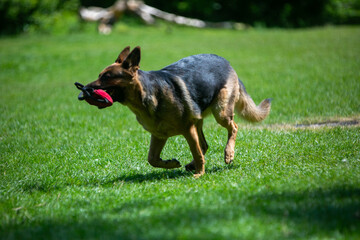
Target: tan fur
{"points": [[167, 111], [223, 112], [248, 109]]}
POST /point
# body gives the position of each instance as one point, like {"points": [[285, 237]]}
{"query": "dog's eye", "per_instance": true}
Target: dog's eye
{"points": [[105, 76]]}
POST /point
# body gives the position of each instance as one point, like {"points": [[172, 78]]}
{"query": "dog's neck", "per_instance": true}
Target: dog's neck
{"points": [[135, 95]]}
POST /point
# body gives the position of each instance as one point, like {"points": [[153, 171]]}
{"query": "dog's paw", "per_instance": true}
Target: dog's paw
{"points": [[173, 163], [198, 175], [229, 160], [229, 156]]}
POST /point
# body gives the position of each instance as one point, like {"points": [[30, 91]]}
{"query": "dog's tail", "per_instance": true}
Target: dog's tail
{"points": [[248, 110]]}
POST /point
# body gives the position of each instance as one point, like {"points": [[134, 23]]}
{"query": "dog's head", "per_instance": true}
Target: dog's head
{"points": [[119, 75]]}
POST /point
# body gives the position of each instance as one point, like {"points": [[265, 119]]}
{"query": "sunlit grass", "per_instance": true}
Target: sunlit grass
{"points": [[71, 171]]}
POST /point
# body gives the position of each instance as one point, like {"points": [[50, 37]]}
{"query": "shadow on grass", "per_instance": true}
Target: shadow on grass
{"points": [[166, 174], [152, 176], [324, 213], [329, 210], [155, 175]]}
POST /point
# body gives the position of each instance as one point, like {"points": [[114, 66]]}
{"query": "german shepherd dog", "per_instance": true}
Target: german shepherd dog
{"points": [[176, 99]]}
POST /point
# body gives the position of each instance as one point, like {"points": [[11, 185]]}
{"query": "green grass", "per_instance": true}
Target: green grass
{"points": [[71, 171]]}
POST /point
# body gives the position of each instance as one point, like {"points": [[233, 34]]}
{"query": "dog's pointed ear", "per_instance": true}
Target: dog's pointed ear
{"points": [[133, 59], [124, 53]]}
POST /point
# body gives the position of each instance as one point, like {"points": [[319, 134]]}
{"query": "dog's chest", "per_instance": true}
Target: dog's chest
{"points": [[159, 127], [162, 122]]}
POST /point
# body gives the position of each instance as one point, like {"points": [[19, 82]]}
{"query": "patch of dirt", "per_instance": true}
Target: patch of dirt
{"points": [[341, 122], [345, 123]]}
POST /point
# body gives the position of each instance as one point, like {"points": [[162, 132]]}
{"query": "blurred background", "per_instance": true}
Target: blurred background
{"points": [[62, 16]]}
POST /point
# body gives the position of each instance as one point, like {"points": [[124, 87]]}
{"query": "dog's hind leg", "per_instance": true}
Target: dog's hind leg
{"points": [[232, 129], [203, 144], [223, 111], [154, 159], [193, 140], [230, 146]]}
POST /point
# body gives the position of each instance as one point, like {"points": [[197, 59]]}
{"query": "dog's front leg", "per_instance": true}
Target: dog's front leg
{"points": [[192, 138], [156, 146], [203, 144]]}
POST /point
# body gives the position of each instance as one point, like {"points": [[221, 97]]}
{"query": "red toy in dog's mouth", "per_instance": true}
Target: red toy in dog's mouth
{"points": [[96, 97]]}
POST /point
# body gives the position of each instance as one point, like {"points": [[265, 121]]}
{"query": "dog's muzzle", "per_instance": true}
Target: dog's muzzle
{"points": [[96, 97]]}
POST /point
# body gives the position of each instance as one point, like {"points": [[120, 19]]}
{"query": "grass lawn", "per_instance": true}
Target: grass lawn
{"points": [[71, 171]]}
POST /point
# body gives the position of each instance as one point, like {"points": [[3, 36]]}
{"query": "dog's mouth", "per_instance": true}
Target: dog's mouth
{"points": [[114, 93], [110, 91]]}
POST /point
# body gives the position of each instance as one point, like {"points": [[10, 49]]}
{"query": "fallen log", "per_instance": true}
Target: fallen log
{"points": [[108, 16]]}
